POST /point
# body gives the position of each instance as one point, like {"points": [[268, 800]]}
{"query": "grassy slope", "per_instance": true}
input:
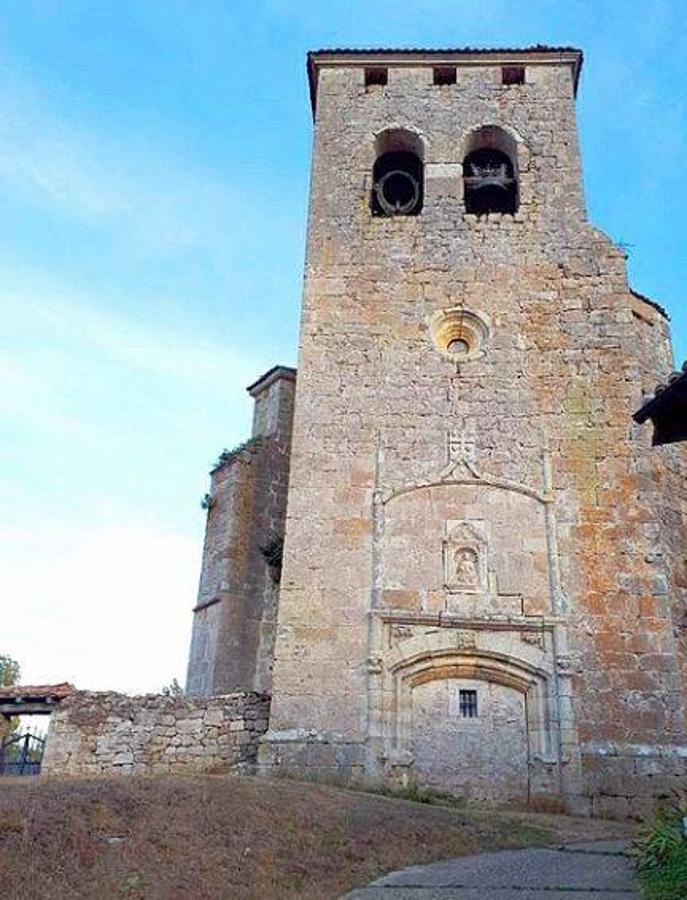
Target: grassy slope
{"points": [[216, 837]]}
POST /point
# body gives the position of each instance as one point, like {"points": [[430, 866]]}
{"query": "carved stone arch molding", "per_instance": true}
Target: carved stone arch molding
{"points": [[470, 657]]}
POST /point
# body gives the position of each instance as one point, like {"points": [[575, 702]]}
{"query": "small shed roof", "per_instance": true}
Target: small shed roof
{"points": [[667, 409], [32, 698]]}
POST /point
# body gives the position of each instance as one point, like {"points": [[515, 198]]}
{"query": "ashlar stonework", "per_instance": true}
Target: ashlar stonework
{"points": [[484, 584]]}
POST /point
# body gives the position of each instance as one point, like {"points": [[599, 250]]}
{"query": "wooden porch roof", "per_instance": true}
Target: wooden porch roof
{"points": [[23, 699]]}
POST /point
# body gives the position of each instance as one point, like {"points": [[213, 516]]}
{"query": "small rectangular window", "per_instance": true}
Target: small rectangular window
{"points": [[444, 75], [467, 704], [513, 75], [379, 75]]}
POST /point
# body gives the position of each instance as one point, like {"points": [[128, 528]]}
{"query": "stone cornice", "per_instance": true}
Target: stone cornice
{"points": [[529, 56]]}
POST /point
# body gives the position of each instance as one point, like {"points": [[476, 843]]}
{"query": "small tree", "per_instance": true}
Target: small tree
{"points": [[10, 673], [173, 689]]}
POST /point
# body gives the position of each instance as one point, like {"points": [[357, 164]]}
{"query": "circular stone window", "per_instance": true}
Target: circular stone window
{"points": [[459, 334]]}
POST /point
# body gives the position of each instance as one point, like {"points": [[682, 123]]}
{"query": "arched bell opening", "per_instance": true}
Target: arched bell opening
{"points": [[490, 172], [398, 174]]}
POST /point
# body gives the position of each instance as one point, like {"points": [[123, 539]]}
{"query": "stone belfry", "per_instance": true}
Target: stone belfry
{"points": [[483, 584]]}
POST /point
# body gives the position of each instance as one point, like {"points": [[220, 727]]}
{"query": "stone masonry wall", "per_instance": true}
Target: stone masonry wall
{"points": [[628, 781], [113, 734], [580, 524]]}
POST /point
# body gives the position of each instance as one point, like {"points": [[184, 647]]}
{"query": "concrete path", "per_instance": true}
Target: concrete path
{"points": [[591, 871]]}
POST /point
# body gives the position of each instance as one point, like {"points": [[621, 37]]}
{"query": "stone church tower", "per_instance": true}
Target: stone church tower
{"points": [[483, 584]]}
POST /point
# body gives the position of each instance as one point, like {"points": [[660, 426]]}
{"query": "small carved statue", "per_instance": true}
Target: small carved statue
{"points": [[466, 573]]}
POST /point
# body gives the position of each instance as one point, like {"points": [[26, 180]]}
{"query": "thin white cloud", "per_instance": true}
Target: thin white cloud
{"points": [[151, 347], [155, 199], [58, 168], [30, 396], [105, 601], [56, 344], [104, 604]]}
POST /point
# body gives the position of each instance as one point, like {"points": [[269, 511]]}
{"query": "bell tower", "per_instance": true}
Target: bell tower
{"points": [[483, 577]]}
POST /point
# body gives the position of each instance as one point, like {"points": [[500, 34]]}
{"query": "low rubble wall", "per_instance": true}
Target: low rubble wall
{"points": [[114, 734]]}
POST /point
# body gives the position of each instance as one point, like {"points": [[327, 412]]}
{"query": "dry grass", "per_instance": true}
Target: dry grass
{"points": [[216, 837]]}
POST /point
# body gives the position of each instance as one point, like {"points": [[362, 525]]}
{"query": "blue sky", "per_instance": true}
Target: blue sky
{"points": [[154, 163]]}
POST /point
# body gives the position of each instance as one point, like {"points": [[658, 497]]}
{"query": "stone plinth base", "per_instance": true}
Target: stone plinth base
{"points": [[630, 782], [297, 754]]}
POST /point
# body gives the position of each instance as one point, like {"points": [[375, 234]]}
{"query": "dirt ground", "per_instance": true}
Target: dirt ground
{"points": [[212, 837]]}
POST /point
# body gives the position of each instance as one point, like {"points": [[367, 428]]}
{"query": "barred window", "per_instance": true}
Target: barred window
{"points": [[444, 75], [467, 704]]}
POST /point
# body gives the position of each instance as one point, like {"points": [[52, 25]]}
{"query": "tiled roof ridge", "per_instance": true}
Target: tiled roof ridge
{"points": [[534, 48], [314, 55], [55, 691]]}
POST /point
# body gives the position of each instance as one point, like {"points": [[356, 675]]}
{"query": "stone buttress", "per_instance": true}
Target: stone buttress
{"points": [[232, 645]]}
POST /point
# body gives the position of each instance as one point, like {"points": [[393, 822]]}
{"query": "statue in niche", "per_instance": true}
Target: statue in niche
{"points": [[466, 572], [465, 557]]}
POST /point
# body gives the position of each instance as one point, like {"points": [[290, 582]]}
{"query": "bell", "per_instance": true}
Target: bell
{"points": [[489, 176], [398, 192], [489, 183]]}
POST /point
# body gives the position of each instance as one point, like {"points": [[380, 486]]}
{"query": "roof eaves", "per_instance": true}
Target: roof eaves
{"points": [[37, 691], [269, 376], [665, 395], [656, 306], [442, 51]]}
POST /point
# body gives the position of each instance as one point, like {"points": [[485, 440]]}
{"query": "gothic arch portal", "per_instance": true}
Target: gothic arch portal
{"points": [[490, 755]]}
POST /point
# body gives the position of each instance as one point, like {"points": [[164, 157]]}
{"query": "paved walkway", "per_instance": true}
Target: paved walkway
{"points": [[592, 871]]}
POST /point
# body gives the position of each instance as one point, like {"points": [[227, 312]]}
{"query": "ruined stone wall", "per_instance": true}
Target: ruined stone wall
{"points": [[232, 644], [113, 734], [527, 453]]}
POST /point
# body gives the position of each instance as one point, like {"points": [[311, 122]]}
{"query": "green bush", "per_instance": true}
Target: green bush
{"points": [[251, 444], [661, 854]]}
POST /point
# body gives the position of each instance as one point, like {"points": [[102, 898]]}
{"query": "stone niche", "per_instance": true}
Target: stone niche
{"points": [[465, 558]]}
